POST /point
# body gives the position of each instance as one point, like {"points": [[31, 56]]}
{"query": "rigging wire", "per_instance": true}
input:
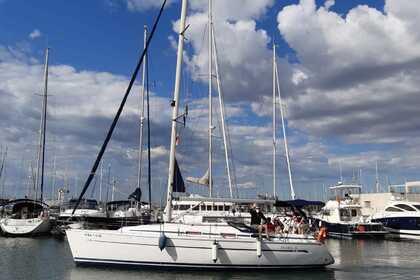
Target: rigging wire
{"points": [[117, 116]]}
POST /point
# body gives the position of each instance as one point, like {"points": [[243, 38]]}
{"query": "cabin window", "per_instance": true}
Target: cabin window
{"points": [[196, 208], [184, 207], [175, 207], [208, 207], [344, 215], [220, 207], [405, 207], [203, 207], [393, 209], [227, 208], [353, 212], [417, 206], [325, 213]]}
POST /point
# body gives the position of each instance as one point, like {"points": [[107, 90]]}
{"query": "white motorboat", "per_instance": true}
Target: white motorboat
{"points": [[25, 217], [343, 218], [401, 218]]}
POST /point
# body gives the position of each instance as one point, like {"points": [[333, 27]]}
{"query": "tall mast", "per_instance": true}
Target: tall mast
{"points": [[41, 152], [222, 113], [142, 110], [286, 147], [274, 120], [175, 105], [210, 49]]}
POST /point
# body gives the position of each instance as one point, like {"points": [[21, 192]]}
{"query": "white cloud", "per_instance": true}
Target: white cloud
{"points": [[244, 57], [233, 9], [35, 34], [361, 71]]}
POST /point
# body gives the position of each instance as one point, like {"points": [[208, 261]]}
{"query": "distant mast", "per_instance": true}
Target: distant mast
{"points": [[175, 106]]}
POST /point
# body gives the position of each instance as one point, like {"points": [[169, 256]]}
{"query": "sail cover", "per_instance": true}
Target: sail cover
{"points": [[200, 181], [136, 195], [179, 185]]}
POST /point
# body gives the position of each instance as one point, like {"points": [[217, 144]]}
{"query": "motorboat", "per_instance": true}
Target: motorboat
{"points": [[25, 217], [342, 216], [401, 219]]}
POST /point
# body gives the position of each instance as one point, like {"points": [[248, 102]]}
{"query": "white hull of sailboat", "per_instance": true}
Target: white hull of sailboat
{"points": [[21, 227], [140, 247]]}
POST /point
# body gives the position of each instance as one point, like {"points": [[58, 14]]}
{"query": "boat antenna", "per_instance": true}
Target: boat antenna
{"points": [[117, 116]]}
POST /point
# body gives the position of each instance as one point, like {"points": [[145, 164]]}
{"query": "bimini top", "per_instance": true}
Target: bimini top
{"points": [[298, 203]]}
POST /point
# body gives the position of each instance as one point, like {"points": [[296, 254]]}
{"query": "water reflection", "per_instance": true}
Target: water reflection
{"points": [[83, 273], [48, 258]]}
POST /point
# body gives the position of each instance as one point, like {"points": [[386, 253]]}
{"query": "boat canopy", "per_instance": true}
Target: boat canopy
{"points": [[298, 203]]}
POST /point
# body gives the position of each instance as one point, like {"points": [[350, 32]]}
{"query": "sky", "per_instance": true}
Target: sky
{"points": [[349, 78]]}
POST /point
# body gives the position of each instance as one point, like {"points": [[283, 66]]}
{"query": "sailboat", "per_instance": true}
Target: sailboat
{"points": [[177, 245], [31, 216]]}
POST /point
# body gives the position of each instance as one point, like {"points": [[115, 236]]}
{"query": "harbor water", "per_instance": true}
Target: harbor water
{"points": [[49, 258]]}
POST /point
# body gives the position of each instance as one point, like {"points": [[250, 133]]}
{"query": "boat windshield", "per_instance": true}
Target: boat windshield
{"points": [[348, 214], [405, 207]]}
